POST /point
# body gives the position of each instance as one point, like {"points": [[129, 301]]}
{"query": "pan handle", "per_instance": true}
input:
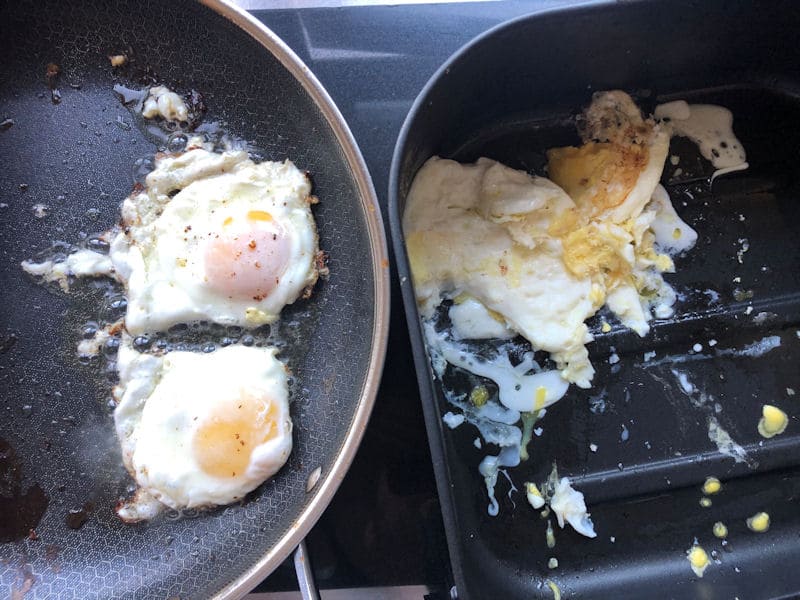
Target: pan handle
{"points": [[305, 576]]}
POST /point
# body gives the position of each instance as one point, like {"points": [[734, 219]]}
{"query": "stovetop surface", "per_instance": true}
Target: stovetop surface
{"points": [[383, 527]]}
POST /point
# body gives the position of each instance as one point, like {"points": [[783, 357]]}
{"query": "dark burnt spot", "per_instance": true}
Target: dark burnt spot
{"points": [[20, 508], [76, 517], [197, 108]]}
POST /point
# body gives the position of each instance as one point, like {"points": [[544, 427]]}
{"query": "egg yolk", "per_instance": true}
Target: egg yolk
{"points": [[224, 442], [248, 265]]}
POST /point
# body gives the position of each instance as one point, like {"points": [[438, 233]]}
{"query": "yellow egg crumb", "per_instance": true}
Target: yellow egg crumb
{"points": [[705, 502], [605, 327], [758, 523], [712, 485], [533, 489], [597, 295], [720, 530], [118, 60], [773, 421], [479, 395], [698, 559], [664, 263]]}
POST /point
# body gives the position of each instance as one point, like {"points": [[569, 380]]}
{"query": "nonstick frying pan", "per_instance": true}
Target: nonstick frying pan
{"points": [[60, 467]]}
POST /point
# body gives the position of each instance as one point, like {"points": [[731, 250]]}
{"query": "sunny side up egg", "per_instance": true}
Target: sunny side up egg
{"points": [[215, 237], [198, 429]]}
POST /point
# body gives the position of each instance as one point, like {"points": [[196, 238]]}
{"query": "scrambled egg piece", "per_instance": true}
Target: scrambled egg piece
{"points": [[538, 257]]}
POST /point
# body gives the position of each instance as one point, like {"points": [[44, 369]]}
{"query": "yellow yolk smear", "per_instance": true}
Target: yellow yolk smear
{"points": [[597, 176], [224, 442], [259, 215], [589, 253]]}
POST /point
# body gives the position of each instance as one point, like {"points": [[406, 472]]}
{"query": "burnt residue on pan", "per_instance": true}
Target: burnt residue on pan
{"points": [[76, 517], [21, 507]]}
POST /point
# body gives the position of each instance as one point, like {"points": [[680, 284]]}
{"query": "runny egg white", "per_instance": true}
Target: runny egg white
{"points": [[215, 237], [199, 429]]}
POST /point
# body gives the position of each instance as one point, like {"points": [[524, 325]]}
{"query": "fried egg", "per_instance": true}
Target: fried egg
{"points": [[200, 429], [537, 256], [215, 237]]}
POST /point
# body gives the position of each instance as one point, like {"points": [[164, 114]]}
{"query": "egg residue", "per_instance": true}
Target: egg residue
{"points": [[698, 559], [533, 495], [711, 485], [201, 429], [759, 522], [566, 502], [570, 507], [81, 263], [711, 128], [163, 102], [720, 530], [773, 421]]}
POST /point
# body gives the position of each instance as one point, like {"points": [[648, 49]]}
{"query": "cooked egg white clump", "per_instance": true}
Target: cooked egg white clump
{"points": [[163, 102], [525, 254], [201, 429], [216, 237]]}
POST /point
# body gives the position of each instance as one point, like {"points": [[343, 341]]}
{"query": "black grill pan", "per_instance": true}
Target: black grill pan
{"points": [[511, 94]]}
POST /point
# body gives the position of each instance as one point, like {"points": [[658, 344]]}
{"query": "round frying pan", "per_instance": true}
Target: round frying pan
{"points": [[60, 467]]}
